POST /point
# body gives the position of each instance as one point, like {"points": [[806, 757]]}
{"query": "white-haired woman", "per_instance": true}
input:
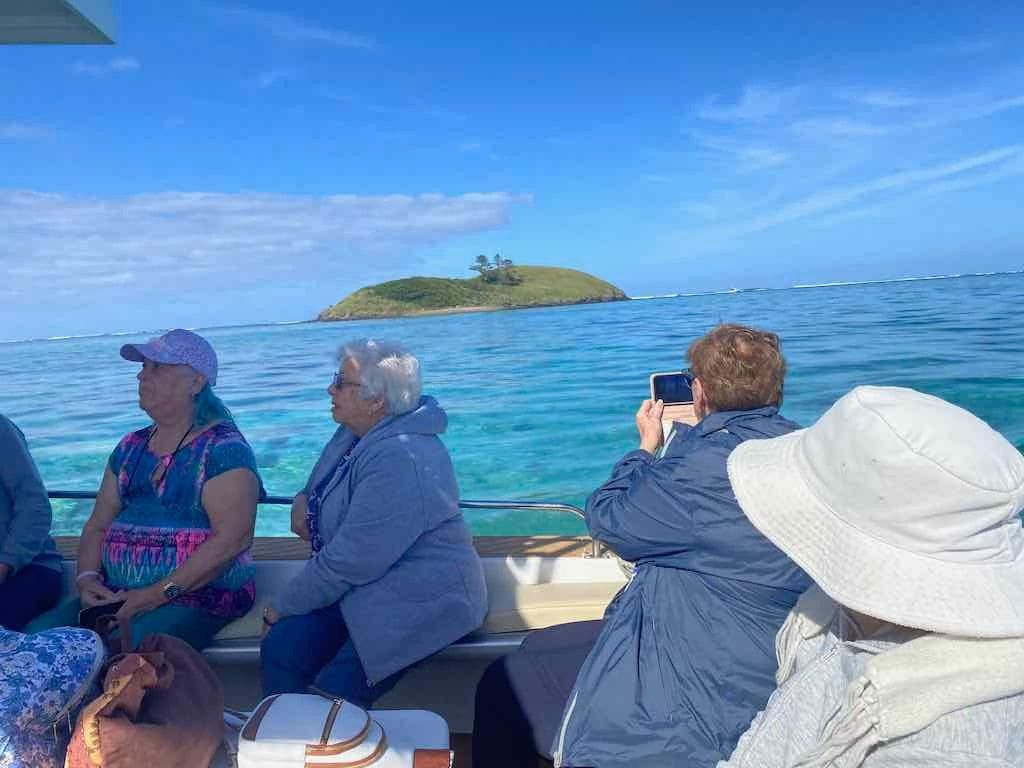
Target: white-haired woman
{"points": [[393, 576]]}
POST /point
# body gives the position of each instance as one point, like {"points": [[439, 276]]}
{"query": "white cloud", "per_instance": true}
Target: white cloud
{"points": [[1010, 169], [965, 47], [171, 239], [15, 131], [830, 128], [883, 98], [118, 64], [295, 30], [272, 77], [756, 103], [747, 156], [838, 198]]}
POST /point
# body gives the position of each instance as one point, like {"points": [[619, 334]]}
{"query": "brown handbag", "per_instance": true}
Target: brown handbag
{"points": [[161, 707]]}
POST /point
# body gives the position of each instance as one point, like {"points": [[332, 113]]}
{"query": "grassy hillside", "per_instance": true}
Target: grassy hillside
{"points": [[540, 286]]}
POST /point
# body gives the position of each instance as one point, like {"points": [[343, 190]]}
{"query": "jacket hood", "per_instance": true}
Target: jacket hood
{"points": [[427, 418]]}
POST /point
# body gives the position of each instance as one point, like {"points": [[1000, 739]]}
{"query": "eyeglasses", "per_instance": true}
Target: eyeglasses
{"points": [[338, 382]]}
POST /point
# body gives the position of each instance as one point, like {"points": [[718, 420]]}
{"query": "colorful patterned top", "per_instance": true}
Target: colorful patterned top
{"points": [[160, 526]]}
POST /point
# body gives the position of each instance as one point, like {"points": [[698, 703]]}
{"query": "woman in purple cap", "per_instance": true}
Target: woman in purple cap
{"points": [[169, 536]]}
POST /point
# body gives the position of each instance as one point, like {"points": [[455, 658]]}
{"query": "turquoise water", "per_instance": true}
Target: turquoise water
{"points": [[540, 402]]}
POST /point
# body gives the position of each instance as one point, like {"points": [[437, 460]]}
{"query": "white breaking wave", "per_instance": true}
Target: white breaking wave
{"points": [[915, 279]]}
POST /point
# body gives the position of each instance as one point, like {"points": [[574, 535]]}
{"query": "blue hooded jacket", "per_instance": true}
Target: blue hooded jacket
{"points": [[397, 555], [686, 656]]}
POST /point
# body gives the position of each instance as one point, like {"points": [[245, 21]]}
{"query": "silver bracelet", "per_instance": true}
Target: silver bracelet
{"points": [[87, 574]]}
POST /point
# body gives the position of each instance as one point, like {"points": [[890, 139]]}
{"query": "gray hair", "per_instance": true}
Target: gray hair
{"points": [[387, 370]]}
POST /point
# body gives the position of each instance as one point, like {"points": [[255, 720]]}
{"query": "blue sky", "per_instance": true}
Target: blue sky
{"points": [[255, 161]]}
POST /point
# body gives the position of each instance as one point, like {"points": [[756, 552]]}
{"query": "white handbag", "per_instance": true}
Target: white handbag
{"points": [[299, 730]]}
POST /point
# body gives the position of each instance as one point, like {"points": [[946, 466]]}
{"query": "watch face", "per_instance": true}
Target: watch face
{"points": [[172, 591]]}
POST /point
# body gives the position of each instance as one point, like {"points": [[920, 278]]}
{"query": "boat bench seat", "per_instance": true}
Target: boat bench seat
{"points": [[524, 594]]}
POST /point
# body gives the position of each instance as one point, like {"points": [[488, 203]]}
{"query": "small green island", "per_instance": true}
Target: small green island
{"points": [[499, 285]]}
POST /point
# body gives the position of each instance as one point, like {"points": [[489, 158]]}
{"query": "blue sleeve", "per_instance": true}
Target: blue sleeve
{"points": [[233, 453], [118, 455], [642, 511], [31, 513], [385, 518]]}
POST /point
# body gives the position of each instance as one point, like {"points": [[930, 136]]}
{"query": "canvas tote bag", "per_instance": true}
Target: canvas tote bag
{"points": [[161, 707]]}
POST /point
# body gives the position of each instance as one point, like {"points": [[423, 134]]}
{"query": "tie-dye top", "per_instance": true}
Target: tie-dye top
{"points": [[160, 526]]}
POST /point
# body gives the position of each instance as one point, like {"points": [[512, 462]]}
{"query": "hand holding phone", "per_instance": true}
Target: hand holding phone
{"points": [[675, 390], [87, 617], [648, 424]]}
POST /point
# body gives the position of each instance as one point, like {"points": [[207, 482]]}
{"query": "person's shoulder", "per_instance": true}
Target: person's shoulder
{"points": [[8, 428], [225, 433], [226, 440], [136, 436]]}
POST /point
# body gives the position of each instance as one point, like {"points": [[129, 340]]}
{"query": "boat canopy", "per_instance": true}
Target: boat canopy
{"points": [[57, 21]]}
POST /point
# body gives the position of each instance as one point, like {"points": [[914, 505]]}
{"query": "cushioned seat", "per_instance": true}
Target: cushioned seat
{"points": [[515, 607]]}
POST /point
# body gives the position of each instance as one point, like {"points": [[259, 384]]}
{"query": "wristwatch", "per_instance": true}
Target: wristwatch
{"points": [[172, 591]]}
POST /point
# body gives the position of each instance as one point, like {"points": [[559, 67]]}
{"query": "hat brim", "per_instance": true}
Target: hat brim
{"points": [[862, 572], [137, 353]]}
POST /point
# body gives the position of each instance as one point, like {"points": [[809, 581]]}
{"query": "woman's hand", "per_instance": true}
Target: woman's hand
{"points": [[138, 601], [300, 525], [270, 618], [648, 424], [92, 591]]}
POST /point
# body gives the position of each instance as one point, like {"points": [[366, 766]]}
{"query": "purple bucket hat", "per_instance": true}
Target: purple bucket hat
{"points": [[177, 347]]}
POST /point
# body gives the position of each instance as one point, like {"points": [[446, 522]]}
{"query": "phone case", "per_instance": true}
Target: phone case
{"points": [[88, 617]]}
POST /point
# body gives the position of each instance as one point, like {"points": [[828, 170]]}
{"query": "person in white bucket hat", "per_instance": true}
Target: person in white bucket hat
{"points": [[909, 651]]}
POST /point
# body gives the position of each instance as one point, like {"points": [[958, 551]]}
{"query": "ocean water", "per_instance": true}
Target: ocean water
{"points": [[541, 401]]}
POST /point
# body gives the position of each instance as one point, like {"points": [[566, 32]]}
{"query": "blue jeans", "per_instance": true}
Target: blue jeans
{"points": [[313, 651], [193, 625]]}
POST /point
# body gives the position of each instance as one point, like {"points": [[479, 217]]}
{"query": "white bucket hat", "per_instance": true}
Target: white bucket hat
{"points": [[900, 506]]}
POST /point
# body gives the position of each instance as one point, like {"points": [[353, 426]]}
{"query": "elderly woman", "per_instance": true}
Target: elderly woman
{"points": [[170, 533], [30, 570], [393, 576], [909, 651]]}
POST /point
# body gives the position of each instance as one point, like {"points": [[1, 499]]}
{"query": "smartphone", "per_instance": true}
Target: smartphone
{"points": [[675, 390], [672, 388], [87, 617]]}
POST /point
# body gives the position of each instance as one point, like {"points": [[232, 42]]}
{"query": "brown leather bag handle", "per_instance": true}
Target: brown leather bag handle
{"points": [[105, 626]]}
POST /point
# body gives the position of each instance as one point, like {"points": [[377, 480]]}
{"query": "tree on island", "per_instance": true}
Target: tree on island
{"points": [[499, 271]]}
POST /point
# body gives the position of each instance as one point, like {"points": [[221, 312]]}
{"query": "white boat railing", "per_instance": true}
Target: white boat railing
{"points": [[594, 549]]}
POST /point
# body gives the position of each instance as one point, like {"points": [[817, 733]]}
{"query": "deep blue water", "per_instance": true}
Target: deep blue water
{"points": [[541, 401]]}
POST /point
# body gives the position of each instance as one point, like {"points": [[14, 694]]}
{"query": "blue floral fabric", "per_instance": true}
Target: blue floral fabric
{"points": [[45, 679]]}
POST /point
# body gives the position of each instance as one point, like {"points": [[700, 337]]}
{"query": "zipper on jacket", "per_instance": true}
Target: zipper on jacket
{"points": [[560, 750]]}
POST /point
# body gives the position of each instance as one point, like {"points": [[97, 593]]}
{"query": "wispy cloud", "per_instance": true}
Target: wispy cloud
{"points": [[995, 164], [881, 98], [199, 238], [745, 155], [827, 128], [1010, 169], [118, 64], [272, 77], [293, 29], [755, 103], [478, 147], [15, 131], [967, 47]]}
